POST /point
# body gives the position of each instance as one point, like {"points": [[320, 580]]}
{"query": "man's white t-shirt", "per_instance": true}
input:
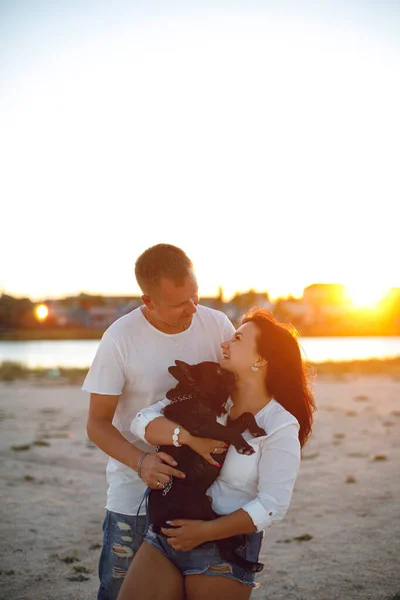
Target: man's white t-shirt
{"points": [[132, 361]]}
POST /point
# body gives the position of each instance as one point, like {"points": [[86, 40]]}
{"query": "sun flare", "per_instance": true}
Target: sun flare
{"points": [[365, 297], [41, 312]]}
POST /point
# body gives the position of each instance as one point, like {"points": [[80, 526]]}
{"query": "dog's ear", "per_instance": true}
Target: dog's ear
{"points": [[181, 371], [176, 372], [184, 370]]}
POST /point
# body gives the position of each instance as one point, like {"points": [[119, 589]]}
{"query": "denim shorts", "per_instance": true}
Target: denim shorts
{"points": [[206, 559]]}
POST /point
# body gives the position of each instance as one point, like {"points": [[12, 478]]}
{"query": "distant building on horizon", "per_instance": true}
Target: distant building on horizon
{"points": [[326, 294]]}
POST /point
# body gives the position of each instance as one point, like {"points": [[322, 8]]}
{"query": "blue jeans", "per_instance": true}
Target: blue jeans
{"points": [[120, 543]]}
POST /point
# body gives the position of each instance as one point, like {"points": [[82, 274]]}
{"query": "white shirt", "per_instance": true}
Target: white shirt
{"points": [[132, 361], [261, 484]]}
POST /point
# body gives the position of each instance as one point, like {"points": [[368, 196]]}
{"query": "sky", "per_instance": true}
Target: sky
{"points": [[261, 137]]}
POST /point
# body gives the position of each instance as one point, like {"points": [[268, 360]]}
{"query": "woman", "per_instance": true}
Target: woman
{"points": [[251, 492]]}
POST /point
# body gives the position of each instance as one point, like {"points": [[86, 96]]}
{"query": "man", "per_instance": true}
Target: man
{"points": [[130, 372]]}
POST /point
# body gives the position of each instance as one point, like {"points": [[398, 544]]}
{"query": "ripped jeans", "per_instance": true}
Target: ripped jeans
{"points": [[120, 543]]}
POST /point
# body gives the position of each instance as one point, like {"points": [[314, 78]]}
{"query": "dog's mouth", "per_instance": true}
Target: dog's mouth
{"points": [[186, 392], [177, 394]]}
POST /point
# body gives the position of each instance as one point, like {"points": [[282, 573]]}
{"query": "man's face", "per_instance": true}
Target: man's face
{"points": [[174, 304]]}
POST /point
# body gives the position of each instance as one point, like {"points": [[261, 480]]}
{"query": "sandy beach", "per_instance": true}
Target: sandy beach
{"points": [[339, 540]]}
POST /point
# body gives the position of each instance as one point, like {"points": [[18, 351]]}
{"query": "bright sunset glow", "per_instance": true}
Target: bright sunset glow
{"points": [[366, 297], [263, 141], [41, 312]]}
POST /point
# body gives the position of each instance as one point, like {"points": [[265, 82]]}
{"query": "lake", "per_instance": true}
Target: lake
{"points": [[80, 353]]}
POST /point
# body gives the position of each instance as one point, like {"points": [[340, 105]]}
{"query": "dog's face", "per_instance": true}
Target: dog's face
{"points": [[206, 380]]}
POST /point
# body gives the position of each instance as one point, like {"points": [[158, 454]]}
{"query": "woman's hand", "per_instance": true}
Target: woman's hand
{"points": [[187, 534], [205, 447]]}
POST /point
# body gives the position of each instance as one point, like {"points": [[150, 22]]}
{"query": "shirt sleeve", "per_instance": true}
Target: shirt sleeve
{"points": [[278, 469], [107, 373], [145, 416]]}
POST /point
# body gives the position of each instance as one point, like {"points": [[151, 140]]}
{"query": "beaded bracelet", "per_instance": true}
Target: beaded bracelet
{"points": [[140, 462], [175, 437]]}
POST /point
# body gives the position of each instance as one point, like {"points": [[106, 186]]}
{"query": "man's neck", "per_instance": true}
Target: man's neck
{"points": [[160, 325]]}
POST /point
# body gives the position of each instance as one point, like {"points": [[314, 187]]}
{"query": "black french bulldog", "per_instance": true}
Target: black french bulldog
{"points": [[196, 402]]}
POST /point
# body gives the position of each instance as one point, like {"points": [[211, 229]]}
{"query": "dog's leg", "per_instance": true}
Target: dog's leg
{"points": [[217, 431], [247, 421], [201, 422], [227, 550]]}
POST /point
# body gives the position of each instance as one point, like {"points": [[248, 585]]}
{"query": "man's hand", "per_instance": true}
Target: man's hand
{"points": [[187, 534], [156, 470], [205, 447]]}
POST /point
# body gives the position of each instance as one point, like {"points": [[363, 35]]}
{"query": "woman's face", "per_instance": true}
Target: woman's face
{"points": [[239, 353]]}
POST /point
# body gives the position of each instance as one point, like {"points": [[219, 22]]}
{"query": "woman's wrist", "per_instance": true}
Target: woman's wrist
{"points": [[208, 531], [237, 523], [184, 437]]}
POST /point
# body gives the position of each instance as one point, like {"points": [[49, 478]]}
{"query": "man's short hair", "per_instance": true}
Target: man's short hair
{"points": [[162, 260]]}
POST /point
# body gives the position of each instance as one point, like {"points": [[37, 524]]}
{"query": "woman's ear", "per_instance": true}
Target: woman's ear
{"points": [[261, 362]]}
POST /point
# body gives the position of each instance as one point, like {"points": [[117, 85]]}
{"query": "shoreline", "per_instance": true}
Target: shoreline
{"points": [[88, 333], [51, 335], [15, 371]]}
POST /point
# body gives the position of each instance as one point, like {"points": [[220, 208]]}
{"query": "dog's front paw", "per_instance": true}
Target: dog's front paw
{"points": [[257, 431], [245, 448]]}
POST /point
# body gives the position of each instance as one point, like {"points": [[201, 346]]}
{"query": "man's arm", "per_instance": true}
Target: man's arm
{"points": [[100, 430]]}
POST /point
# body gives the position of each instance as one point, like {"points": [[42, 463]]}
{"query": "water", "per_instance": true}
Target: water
{"points": [[80, 353]]}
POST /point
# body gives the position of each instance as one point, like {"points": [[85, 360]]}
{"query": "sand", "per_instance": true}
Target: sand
{"points": [[340, 538]]}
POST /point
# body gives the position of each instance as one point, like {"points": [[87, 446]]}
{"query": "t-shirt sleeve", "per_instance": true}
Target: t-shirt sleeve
{"points": [[107, 373], [278, 469], [145, 416]]}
